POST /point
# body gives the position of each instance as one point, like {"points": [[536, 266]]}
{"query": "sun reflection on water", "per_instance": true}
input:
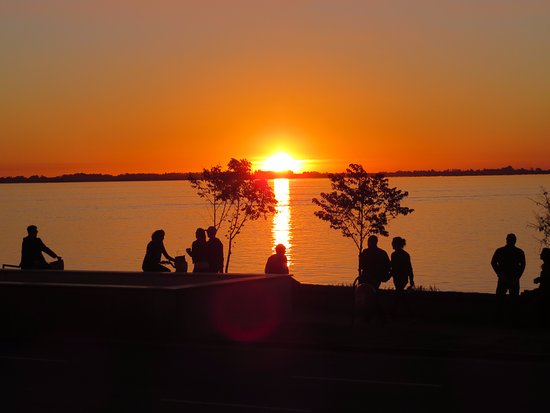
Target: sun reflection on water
{"points": [[281, 220]]}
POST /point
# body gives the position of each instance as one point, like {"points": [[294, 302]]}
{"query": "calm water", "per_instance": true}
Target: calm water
{"points": [[457, 224]]}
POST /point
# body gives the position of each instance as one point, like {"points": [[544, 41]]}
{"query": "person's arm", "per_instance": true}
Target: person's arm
{"points": [[361, 264], [268, 269], [411, 274], [387, 265], [219, 257], [285, 267], [166, 254], [48, 251], [521, 266], [495, 263]]}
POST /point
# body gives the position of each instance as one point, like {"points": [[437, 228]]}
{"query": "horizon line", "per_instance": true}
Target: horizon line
{"points": [[507, 170]]}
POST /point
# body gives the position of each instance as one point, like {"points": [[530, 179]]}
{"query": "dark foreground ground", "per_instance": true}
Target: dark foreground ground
{"points": [[456, 359]]}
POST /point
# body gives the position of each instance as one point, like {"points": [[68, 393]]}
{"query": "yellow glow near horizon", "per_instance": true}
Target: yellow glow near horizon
{"points": [[281, 162]]}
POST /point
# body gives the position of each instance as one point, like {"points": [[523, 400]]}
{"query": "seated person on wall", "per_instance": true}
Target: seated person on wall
{"points": [[32, 249], [155, 251], [277, 263]]}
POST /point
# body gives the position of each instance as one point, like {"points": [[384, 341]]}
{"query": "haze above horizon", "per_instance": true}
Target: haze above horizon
{"points": [[115, 86]]}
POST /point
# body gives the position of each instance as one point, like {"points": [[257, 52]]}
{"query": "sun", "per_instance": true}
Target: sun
{"points": [[281, 162]]}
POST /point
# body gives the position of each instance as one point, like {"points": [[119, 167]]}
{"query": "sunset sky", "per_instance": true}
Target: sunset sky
{"points": [[118, 86]]}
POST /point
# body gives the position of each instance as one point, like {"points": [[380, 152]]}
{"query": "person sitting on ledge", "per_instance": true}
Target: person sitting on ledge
{"points": [[277, 263], [155, 249], [32, 249]]}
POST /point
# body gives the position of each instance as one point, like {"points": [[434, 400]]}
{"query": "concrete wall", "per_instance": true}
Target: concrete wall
{"points": [[136, 305]]}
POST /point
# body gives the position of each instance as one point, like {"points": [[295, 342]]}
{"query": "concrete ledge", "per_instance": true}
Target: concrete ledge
{"points": [[239, 307], [122, 278]]}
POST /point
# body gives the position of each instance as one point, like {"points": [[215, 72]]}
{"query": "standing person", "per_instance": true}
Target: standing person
{"points": [[215, 251], [544, 278], [543, 296], [277, 263], [374, 264], [155, 251], [401, 267], [199, 252], [509, 264], [32, 249]]}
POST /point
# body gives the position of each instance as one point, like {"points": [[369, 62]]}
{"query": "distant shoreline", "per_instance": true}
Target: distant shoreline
{"points": [[181, 176]]}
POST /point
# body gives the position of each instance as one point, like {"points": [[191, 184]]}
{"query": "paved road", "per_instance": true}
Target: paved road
{"points": [[88, 375]]}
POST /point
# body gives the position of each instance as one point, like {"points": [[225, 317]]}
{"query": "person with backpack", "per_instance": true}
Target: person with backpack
{"points": [[374, 264]]}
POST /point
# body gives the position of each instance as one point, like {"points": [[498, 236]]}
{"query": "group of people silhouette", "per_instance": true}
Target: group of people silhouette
{"points": [[207, 256], [376, 267], [508, 262]]}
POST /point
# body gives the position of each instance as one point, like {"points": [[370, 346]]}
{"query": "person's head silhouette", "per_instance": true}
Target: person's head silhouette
{"points": [[398, 243], [158, 235], [280, 249], [372, 242], [200, 234], [545, 255], [511, 239], [32, 230], [211, 231]]}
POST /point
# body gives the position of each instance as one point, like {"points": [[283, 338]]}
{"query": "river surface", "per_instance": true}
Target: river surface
{"points": [[456, 226]]}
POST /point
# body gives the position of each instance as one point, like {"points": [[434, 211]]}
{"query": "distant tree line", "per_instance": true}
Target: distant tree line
{"points": [[83, 177], [507, 170], [180, 176]]}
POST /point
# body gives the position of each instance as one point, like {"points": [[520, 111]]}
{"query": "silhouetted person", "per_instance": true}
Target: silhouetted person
{"points": [[277, 263], [374, 263], [401, 267], [199, 252], [155, 251], [543, 292], [215, 251], [509, 264], [32, 249], [544, 279]]}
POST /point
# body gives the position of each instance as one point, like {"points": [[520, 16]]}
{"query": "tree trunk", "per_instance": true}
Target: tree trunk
{"points": [[228, 256]]}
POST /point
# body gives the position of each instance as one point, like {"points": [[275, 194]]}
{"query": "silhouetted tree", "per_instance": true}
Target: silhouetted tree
{"points": [[543, 217], [213, 186], [360, 204], [235, 197]]}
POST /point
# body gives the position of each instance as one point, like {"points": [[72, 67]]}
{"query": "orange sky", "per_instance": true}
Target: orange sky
{"points": [[136, 86]]}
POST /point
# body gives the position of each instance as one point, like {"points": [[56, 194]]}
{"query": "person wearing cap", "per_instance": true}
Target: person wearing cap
{"points": [[277, 263], [32, 249]]}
